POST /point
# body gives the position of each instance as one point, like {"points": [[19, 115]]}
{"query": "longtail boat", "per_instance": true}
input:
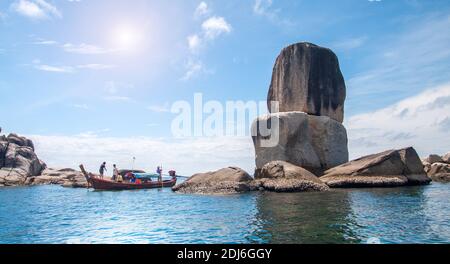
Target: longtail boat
{"points": [[108, 185]]}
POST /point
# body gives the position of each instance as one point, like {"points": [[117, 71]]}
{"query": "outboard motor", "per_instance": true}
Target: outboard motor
{"points": [[173, 173]]}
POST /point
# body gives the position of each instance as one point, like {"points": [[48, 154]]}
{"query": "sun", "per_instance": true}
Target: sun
{"points": [[127, 38]]}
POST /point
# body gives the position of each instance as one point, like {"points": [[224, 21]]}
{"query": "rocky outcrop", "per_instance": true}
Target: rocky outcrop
{"points": [[440, 172], [385, 169], [281, 176], [65, 177], [306, 129], [224, 181], [433, 158], [446, 158], [18, 161], [315, 143], [437, 167], [307, 78]]}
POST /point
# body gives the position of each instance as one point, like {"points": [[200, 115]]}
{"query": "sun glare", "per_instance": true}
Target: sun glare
{"points": [[127, 38]]}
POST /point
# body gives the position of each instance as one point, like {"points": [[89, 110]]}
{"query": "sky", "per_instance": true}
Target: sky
{"points": [[92, 81]]}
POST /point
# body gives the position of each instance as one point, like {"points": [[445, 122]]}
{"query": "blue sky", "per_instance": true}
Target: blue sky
{"points": [[106, 72]]}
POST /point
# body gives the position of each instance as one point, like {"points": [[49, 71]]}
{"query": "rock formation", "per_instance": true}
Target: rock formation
{"points": [[307, 78], [224, 181], [437, 167], [281, 176], [433, 158], [309, 87], [18, 161], [315, 143], [385, 169], [64, 177], [446, 158]]}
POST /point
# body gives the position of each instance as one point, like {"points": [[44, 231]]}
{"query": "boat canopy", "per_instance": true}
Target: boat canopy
{"points": [[144, 176]]}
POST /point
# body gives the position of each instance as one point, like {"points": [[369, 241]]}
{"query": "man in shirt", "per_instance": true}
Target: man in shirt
{"points": [[102, 169]]}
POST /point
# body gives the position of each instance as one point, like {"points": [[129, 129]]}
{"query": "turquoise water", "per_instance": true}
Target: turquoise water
{"points": [[52, 214]]}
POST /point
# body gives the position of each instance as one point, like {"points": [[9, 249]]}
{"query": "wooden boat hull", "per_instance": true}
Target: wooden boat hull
{"points": [[108, 185], [101, 184]]}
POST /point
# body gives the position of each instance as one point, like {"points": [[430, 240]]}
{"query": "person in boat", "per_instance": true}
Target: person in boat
{"points": [[173, 174], [102, 169], [132, 178], [128, 176], [159, 172], [116, 173]]}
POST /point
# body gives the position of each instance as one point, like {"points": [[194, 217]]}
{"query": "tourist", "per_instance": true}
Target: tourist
{"points": [[102, 169], [159, 172], [116, 173], [119, 178]]}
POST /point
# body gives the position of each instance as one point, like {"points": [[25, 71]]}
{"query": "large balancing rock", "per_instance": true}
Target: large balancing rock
{"points": [[386, 169], [307, 78], [315, 143]]}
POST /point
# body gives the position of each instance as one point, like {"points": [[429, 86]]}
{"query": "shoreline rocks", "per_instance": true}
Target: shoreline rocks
{"points": [[20, 166], [65, 177], [437, 167], [18, 161], [224, 181], [386, 169], [277, 176], [281, 176]]}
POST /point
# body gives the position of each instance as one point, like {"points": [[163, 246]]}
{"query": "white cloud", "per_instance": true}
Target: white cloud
{"points": [[117, 98], [211, 28], [36, 9], [45, 42], [81, 106], [58, 69], [96, 66], [70, 69], [194, 42], [421, 121], [85, 49], [201, 10], [350, 43], [193, 68], [260, 7], [187, 155], [264, 8], [215, 26]]}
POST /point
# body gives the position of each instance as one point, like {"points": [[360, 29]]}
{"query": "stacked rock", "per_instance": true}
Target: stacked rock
{"points": [[309, 91]]}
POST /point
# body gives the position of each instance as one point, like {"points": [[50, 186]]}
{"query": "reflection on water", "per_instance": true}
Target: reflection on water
{"points": [[51, 214], [402, 215], [305, 218]]}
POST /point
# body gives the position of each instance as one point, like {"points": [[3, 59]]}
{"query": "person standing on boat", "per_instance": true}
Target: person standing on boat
{"points": [[102, 169], [116, 173], [159, 172]]}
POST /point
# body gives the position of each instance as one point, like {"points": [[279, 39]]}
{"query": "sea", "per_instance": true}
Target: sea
{"points": [[57, 215]]}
